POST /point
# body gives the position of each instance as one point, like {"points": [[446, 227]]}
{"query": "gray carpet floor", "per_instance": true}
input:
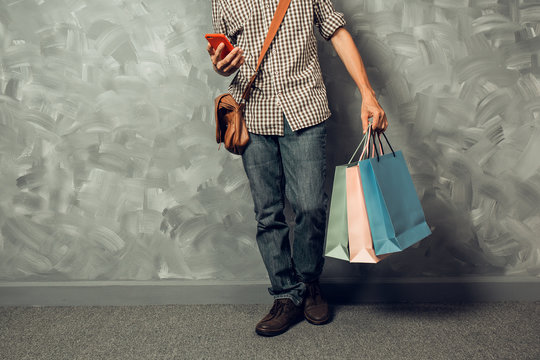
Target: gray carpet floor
{"points": [[372, 331]]}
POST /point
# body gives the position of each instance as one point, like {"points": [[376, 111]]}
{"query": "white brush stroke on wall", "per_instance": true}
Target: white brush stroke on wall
{"points": [[109, 168]]}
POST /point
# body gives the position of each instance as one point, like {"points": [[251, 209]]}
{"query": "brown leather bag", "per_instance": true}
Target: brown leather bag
{"points": [[231, 126]]}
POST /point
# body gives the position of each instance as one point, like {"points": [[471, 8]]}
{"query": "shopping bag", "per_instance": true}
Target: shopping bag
{"points": [[396, 218], [360, 243], [348, 236], [337, 235], [337, 238]]}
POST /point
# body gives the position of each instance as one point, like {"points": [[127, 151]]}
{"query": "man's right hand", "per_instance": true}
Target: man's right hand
{"points": [[229, 64]]}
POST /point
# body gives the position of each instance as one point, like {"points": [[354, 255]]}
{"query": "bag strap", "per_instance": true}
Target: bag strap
{"points": [[274, 26]]}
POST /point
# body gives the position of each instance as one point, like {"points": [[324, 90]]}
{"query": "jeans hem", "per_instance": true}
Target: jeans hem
{"points": [[286, 296], [309, 280]]}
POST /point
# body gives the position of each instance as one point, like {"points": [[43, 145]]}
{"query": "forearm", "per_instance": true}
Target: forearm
{"points": [[346, 49]]}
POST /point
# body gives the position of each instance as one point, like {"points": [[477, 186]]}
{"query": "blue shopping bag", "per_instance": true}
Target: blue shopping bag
{"points": [[396, 217]]}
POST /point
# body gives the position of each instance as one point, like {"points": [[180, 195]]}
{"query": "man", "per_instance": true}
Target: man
{"points": [[285, 116]]}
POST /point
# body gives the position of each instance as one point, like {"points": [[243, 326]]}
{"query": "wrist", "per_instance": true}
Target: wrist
{"points": [[366, 92]]}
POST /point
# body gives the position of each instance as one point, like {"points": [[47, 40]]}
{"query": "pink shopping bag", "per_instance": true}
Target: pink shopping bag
{"points": [[360, 242]]}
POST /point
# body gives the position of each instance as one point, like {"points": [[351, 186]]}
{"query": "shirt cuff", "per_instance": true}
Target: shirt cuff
{"points": [[333, 22]]}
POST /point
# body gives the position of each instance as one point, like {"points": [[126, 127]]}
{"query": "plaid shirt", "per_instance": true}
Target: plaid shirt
{"points": [[289, 80]]}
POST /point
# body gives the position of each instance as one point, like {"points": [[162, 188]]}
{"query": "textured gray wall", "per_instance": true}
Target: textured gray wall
{"points": [[109, 169]]}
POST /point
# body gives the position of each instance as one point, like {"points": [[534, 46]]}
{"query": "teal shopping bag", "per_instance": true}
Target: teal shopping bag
{"points": [[337, 236], [396, 217]]}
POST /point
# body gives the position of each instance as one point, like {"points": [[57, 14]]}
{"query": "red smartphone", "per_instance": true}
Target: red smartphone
{"points": [[216, 39]]}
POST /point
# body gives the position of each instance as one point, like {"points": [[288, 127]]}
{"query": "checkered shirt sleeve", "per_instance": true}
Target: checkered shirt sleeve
{"points": [[327, 19]]}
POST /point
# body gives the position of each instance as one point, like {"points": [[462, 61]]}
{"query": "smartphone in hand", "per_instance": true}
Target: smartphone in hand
{"points": [[216, 39]]}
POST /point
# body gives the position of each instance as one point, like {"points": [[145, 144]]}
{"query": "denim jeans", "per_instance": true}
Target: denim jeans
{"points": [[292, 166]]}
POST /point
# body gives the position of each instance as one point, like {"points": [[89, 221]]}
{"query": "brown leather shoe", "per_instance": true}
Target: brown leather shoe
{"points": [[315, 307], [283, 314]]}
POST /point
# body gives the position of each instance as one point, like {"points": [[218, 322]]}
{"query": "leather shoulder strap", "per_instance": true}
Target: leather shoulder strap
{"points": [[274, 26]]}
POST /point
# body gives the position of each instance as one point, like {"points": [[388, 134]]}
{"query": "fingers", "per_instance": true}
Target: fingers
{"points": [[231, 62], [227, 60], [223, 63], [365, 122], [217, 55], [210, 49], [380, 123], [384, 123], [237, 61]]}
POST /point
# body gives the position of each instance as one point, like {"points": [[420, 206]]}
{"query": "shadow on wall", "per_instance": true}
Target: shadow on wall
{"points": [[461, 103]]}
